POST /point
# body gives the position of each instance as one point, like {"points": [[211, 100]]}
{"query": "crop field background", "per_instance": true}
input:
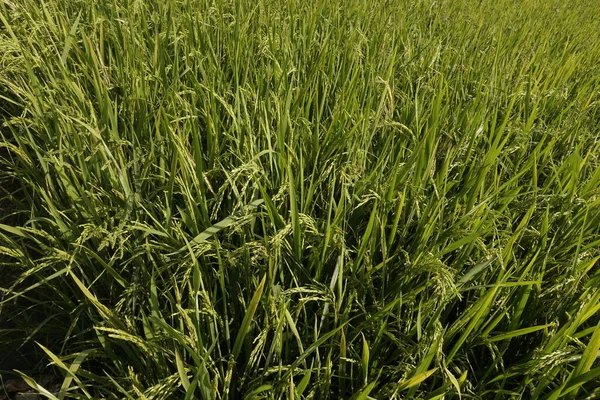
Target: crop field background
{"points": [[366, 199]]}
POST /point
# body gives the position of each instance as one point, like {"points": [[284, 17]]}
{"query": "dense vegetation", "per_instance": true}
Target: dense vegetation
{"points": [[233, 199]]}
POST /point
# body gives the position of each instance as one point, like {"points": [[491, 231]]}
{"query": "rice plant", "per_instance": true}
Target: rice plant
{"points": [[233, 199]]}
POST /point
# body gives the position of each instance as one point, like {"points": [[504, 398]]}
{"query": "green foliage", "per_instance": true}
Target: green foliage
{"points": [[231, 199]]}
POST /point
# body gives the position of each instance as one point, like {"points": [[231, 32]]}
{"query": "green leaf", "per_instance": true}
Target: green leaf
{"points": [[38, 388], [252, 395], [518, 332], [69, 40], [590, 354], [181, 370], [250, 311], [216, 228], [365, 359], [416, 380]]}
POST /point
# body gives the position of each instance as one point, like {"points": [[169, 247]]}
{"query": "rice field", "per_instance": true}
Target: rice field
{"points": [[233, 199]]}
